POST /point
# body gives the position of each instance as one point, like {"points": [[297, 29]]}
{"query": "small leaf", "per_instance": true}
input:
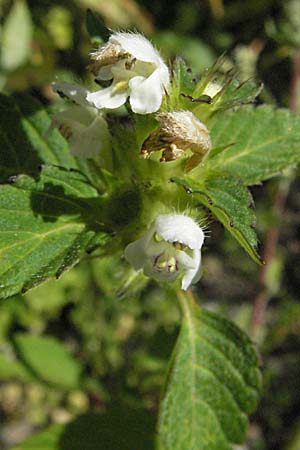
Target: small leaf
{"points": [[96, 28], [45, 227], [183, 79], [26, 138], [232, 204], [16, 37], [48, 359], [182, 86], [213, 383], [261, 142]]}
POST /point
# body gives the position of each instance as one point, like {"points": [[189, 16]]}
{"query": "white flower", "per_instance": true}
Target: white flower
{"points": [[137, 71], [82, 125], [170, 248]]}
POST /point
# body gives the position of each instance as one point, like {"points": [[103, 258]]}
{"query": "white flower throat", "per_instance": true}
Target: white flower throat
{"points": [[168, 260]]}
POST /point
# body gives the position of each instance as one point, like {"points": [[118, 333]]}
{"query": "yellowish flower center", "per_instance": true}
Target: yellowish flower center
{"points": [[121, 86], [166, 262]]}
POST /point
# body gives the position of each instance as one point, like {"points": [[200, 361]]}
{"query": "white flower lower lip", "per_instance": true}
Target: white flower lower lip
{"points": [[171, 247], [136, 70]]}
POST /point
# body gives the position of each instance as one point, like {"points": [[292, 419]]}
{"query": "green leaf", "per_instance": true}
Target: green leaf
{"points": [[26, 138], [232, 204], [96, 28], [45, 227], [213, 383], [260, 142], [16, 37], [48, 359], [182, 79]]}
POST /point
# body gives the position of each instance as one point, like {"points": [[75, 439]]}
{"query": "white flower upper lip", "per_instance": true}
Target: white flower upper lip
{"points": [[180, 228], [172, 246], [137, 71]]}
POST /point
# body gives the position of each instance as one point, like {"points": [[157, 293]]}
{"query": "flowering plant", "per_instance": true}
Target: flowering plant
{"points": [[90, 179]]}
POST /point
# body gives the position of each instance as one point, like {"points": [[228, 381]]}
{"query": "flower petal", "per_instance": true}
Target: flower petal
{"points": [[180, 228], [138, 46], [75, 113], [73, 91], [192, 275], [146, 94], [92, 140], [86, 131], [106, 98], [135, 252]]}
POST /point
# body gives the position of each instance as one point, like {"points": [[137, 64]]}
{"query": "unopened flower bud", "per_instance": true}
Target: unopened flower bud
{"points": [[177, 132]]}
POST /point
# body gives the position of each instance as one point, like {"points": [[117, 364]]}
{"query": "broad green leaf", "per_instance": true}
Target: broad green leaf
{"points": [[45, 227], [48, 359], [213, 383], [231, 203], [120, 428], [259, 142], [16, 37], [27, 140]]}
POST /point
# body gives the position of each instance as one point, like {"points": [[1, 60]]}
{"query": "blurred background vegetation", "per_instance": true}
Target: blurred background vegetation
{"points": [[76, 357]]}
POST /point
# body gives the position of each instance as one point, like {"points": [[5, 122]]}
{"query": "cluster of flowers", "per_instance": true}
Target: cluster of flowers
{"points": [[134, 70]]}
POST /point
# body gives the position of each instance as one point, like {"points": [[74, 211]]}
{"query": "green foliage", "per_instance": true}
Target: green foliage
{"points": [[231, 203], [48, 359], [213, 382], [261, 142], [27, 140], [56, 208], [46, 225]]}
